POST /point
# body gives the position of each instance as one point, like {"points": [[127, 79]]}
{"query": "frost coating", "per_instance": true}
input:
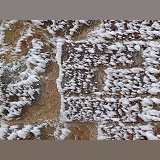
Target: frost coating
{"points": [[115, 84], [20, 69]]}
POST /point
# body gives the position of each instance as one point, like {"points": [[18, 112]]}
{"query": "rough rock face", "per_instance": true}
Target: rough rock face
{"points": [[80, 80]]}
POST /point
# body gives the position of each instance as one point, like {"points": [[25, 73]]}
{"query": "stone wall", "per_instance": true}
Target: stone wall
{"points": [[80, 80]]}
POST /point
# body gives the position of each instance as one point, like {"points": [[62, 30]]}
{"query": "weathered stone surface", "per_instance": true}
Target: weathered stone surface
{"points": [[82, 131]]}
